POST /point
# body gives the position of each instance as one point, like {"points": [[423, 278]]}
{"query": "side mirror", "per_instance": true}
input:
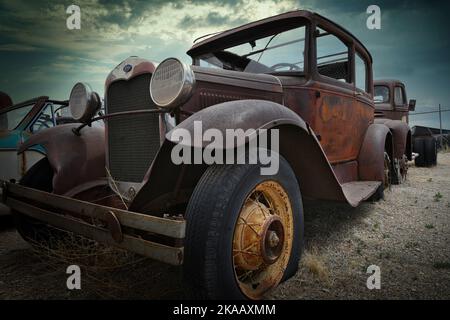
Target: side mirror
{"points": [[412, 105]]}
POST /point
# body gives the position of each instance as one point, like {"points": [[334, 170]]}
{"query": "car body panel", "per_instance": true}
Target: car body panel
{"points": [[78, 160]]}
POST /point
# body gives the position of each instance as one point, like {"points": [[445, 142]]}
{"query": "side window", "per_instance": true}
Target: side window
{"points": [[360, 73], [332, 56], [399, 96], [44, 120]]}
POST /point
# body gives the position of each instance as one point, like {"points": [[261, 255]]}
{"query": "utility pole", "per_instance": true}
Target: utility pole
{"points": [[440, 125]]}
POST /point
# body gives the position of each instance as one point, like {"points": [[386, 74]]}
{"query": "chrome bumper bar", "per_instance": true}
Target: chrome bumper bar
{"points": [[74, 215]]}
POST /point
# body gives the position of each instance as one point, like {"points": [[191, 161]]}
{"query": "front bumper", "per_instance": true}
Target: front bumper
{"points": [[124, 229]]}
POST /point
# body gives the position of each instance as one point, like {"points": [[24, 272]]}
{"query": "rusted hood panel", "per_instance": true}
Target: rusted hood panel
{"points": [[74, 159]]}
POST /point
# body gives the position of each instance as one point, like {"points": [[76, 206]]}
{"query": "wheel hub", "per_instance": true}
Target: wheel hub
{"points": [[262, 240], [259, 237]]}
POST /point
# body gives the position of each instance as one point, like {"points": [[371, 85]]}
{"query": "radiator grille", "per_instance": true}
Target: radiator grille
{"points": [[133, 141]]}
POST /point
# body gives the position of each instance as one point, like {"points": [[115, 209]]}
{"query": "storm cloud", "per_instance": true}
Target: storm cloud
{"points": [[40, 56]]}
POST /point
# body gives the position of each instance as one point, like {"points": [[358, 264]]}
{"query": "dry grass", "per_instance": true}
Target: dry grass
{"points": [[315, 264], [96, 261]]}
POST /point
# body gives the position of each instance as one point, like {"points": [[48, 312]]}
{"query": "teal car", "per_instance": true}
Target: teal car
{"points": [[17, 123]]}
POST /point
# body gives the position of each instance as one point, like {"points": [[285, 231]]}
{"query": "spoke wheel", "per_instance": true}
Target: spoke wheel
{"points": [[262, 241], [244, 232]]}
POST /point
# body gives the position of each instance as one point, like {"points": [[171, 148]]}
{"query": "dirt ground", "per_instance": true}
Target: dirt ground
{"points": [[407, 235]]}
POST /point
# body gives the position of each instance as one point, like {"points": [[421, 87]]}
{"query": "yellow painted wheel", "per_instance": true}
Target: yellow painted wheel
{"points": [[262, 240], [244, 232]]}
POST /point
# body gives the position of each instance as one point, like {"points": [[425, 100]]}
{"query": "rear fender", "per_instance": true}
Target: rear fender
{"points": [[74, 159], [167, 184]]}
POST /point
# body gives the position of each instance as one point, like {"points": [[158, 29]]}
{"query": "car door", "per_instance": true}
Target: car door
{"points": [[400, 103], [344, 111]]}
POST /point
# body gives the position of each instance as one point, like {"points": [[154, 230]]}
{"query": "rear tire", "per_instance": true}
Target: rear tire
{"points": [[212, 264], [419, 148], [430, 146], [426, 147]]}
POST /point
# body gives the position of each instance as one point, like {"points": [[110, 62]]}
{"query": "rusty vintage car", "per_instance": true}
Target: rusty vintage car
{"points": [[236, 233], [391, 102], [392, 109]]}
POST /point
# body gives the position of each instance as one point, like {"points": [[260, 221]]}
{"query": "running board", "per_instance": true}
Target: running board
{"points": [[359, 191]]}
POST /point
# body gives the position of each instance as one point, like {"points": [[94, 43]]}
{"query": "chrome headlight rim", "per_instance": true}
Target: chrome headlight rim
{"points": [[90, 103], [183, 93]]}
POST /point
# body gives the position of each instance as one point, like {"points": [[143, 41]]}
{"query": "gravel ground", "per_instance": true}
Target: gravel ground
{"points": [[407, 235]]}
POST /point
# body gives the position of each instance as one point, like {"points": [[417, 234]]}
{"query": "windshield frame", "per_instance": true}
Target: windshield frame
{"points": [[259, 32], [29, 106], [37, 103]]}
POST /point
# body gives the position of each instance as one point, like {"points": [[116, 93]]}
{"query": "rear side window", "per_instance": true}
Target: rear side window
{"points": [[360, 73], [332, 56], [399, 96]]}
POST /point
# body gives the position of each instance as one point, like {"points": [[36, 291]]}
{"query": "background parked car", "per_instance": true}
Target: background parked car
{"points": [[391, 103], [5, 100], [17, 123]]}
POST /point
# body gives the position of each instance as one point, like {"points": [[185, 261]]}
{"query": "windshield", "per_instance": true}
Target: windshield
{"points": [[10, 120], [381, 94], [280, 52]]}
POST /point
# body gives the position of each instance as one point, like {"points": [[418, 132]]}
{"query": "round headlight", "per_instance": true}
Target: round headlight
{"points": [[172, 83], [83, 102]]}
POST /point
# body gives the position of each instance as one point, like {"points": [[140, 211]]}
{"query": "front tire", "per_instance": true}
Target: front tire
{"points": [[38, 233], [244, 231]]}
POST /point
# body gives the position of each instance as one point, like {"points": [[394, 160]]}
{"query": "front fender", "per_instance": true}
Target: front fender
{"points": [[167, 184], [241, 114], [401, 137], [74, 159], [378, 138]]}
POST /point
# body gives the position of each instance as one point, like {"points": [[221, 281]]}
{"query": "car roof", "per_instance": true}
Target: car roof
{"points": [[387, 82], [216, 39]]}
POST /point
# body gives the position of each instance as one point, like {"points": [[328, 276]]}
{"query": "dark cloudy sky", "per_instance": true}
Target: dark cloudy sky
{"points": [[40, 56]]}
